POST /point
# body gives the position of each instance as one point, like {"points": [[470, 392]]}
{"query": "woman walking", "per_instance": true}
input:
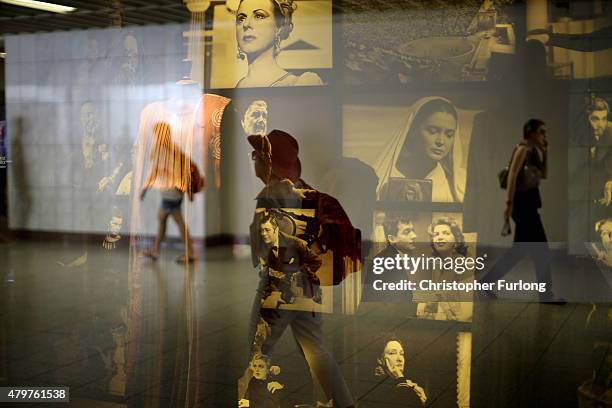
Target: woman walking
{"points": [[527, 167]]}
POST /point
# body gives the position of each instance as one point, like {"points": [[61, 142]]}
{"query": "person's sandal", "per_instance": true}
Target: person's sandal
{"points": [[184, 259], [149, 254]]}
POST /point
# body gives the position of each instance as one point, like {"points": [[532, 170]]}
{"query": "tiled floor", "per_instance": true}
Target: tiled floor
{"points": [[185, 336]]}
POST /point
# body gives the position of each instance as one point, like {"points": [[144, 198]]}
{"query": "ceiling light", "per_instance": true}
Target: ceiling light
{"points": [[40, 5]]}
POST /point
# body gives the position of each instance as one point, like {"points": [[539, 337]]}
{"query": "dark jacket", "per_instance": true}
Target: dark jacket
{"points": [[530, 199], [259, 397], [296, 263], [331, 227]]}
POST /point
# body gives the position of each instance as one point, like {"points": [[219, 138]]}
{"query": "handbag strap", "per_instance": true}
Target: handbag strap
{"points": [[512, 156]]}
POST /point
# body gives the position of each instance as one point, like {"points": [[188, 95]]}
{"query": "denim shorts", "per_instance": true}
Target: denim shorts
{"points": [[171, 206]]}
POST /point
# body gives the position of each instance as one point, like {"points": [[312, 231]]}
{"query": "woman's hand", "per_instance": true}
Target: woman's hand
{"points": [[394, 371], [508, 210], [244, 403], [274, 386], [420, 392]]}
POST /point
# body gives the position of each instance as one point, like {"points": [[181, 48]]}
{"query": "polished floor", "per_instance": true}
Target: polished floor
{"points": [[165, 335]]}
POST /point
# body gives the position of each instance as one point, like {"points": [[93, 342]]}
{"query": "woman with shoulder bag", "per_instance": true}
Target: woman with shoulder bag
{"points": [[527, 167]]}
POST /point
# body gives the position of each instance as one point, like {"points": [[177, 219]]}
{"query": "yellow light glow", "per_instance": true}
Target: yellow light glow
{"points": [[40, 5]]}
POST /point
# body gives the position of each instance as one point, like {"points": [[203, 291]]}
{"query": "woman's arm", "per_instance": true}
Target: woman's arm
{"points": [[515, 167], [544, 150], [143, 192]]}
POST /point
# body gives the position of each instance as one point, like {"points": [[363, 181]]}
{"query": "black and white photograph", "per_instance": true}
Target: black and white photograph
{"points": [[271, 43], [447, 240], [399, 42], [572, 39], [421, 150], [286, 249], [437, 236], [589, 166], [392, 361]]}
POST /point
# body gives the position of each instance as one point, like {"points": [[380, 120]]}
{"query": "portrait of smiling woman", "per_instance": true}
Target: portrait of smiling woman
{"points": [[261, 26], [446, 238], [425, 149]]}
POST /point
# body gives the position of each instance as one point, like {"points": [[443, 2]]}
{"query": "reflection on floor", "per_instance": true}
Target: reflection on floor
{"points": [[181, 334]]}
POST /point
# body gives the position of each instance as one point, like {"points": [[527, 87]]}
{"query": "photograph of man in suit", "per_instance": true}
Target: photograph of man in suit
{"points": [[288, 265], [600, 150], [401, 239]]}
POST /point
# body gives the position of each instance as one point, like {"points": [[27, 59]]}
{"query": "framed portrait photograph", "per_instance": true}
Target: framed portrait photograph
{"points": [[250, 51]]}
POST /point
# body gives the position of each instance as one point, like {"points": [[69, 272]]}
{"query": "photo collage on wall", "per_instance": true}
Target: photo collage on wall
{"points": [[420, 161], [404, 114], [385, 124]]}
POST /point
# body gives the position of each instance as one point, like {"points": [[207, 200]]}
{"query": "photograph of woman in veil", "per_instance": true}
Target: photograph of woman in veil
{"points": [[424, 152]]}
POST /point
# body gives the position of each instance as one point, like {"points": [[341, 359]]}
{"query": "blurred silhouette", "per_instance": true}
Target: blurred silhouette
{"points": [[280, 256], [359, 203], [528, 165], [171, 172], [21, 174]]}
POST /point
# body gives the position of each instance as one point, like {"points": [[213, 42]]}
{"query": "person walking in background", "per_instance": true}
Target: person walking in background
{"points": [[528, 165], [174, 174]]}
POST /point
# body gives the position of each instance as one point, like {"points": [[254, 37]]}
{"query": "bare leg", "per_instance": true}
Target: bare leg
{"points": [[180, 222], [161, 231]]}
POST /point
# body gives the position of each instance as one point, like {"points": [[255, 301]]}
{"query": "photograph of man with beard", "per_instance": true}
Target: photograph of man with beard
{"points": [[255, 119], [401, 238], [278, 166]]}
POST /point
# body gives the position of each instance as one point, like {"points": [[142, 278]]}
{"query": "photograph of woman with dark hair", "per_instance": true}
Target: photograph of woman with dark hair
{"points": [[261, 26], [447, 241], [391, 364], [425, 149]]}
